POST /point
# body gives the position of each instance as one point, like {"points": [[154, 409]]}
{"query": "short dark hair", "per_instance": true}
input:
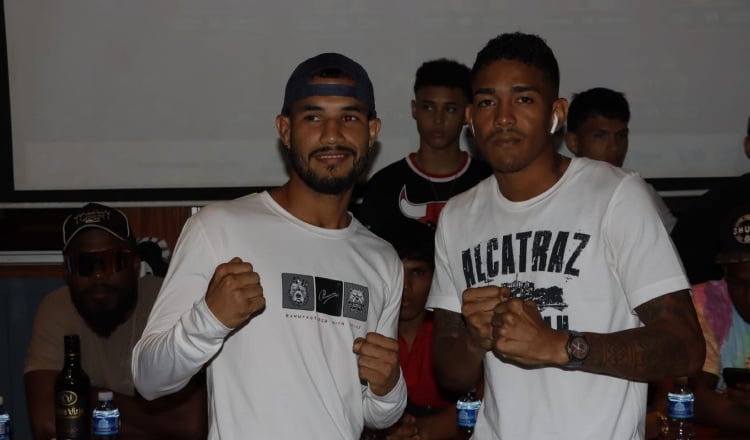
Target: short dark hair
{"points": [[529, 49], [444, 73], [411, 239], [598, 101]]}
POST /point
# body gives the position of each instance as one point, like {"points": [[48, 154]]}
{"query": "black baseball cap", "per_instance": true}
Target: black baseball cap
{"points": [[735, 236], [298, 86], [94, 215]]}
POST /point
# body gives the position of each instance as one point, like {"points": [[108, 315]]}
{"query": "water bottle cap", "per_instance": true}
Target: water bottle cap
{"points": [[105, 395]]}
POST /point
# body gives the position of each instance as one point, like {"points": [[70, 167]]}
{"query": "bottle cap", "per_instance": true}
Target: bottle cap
{"points": [[105, 395]]}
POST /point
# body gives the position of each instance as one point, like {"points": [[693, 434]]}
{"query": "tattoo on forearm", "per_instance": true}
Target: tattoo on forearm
{"points": [[652, 351]]}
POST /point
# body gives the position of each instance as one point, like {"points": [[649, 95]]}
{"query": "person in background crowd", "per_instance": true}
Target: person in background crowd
{"points": [[695, 234], [106, 303], [557, 274], [723, 307], [417, 186], [597, 128], [312, 352], [431, 411]]}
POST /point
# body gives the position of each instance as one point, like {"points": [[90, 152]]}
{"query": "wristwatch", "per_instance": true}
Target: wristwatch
{"points": [[577, 348]]}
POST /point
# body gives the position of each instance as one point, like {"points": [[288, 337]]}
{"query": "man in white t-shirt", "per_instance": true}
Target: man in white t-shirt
{"points": [[557, 276], [312, 352]]}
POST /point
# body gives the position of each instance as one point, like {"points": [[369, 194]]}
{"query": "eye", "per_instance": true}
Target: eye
{"points": [[485, 103], [451, 109], [350, 118], [427, 106], [525, 100], [311, 117]]}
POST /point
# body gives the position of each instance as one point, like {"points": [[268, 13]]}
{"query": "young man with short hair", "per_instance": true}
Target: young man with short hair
{"points": [[418, 186], [312, 351], [597, 128], [556, 275]]}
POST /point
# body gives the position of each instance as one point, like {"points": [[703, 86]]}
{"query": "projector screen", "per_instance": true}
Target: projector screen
{"points": [[149, 95]]}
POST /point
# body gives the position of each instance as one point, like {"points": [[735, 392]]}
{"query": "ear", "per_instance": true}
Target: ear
{"points": [[559, 109], [283, 125], [747, 146], [571, 140], [468, 119], [414, 109], [374, 125]]}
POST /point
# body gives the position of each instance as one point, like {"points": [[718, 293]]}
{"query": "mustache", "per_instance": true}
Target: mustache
{"points": [[107, 288], [325, 149], [503, 132]]}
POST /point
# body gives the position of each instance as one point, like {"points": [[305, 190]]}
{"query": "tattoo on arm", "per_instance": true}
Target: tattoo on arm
{"points": [[664, 347]]}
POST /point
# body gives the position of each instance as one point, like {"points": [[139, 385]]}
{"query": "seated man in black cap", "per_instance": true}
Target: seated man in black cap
{"points": [[106, 303]]}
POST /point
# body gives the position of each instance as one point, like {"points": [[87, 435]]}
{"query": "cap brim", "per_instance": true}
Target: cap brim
{"points": [[741, 256]]}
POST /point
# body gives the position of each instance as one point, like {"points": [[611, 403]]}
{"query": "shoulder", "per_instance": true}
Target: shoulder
{"points": [[396, 168], [58, 301]]}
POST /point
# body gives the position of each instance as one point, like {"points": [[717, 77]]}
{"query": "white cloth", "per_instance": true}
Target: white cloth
{"points": [[290, 372], [588, 251]]}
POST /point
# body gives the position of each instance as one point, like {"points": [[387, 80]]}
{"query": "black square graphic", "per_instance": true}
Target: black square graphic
{"points": [[328, 296]]}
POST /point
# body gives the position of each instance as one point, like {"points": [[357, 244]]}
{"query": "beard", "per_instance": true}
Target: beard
{"points": [[330, 184], [100, 320]]}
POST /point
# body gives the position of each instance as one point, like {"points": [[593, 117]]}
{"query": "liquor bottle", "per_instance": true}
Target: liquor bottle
{"points": [[467, 409], [4, 421], [680, 415], [105, 419], [72, 388]]}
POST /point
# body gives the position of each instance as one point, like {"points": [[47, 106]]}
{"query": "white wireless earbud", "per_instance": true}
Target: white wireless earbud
{"points": [[554, 124], [471, 127]]}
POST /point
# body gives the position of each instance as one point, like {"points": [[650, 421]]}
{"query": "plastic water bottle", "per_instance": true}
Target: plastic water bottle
{"points": [[680, 415], [467, 409], [4, 421], [105, 419]]}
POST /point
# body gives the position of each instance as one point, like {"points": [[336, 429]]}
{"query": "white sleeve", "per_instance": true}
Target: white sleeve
{"points": [[443, 292], [646, 260], [383, 411], [667, 218], [181, 334]]}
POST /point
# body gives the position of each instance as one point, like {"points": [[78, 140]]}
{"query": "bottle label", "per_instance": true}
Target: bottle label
{"points": [[466, 413], [680, 406], [106, 425], [4, 429]]}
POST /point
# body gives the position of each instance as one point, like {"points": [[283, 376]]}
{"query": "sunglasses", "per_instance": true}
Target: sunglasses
{"points": [[84, 264]]}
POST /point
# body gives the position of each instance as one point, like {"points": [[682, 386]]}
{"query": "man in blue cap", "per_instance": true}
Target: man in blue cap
{"points": [[312, 352]]}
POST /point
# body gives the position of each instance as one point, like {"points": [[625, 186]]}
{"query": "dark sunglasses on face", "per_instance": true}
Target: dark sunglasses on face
{"points": [[84, 264]]}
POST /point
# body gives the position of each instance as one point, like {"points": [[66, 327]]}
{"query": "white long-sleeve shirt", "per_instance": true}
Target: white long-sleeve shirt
{"points": [[290, 372]]}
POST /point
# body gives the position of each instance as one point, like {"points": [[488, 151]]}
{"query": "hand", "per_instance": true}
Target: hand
{"points": [[405, 429], [478, 308], [378, 362], [519, 333], [234, 293]]}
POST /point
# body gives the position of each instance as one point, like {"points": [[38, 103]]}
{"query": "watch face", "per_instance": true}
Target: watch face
{"points": [[578, 348]]}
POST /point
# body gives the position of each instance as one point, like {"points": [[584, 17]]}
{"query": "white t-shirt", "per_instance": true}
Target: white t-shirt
{"points": [[588, 251], [290, 372]]}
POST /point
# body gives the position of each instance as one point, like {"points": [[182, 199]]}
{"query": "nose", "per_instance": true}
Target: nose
{"points": [[504, 116], [332, 134], [438, 117]]}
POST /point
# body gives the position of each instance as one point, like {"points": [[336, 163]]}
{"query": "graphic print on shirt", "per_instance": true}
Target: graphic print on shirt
{"points": [[426, 213], [524, 252], [324, 295]]}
